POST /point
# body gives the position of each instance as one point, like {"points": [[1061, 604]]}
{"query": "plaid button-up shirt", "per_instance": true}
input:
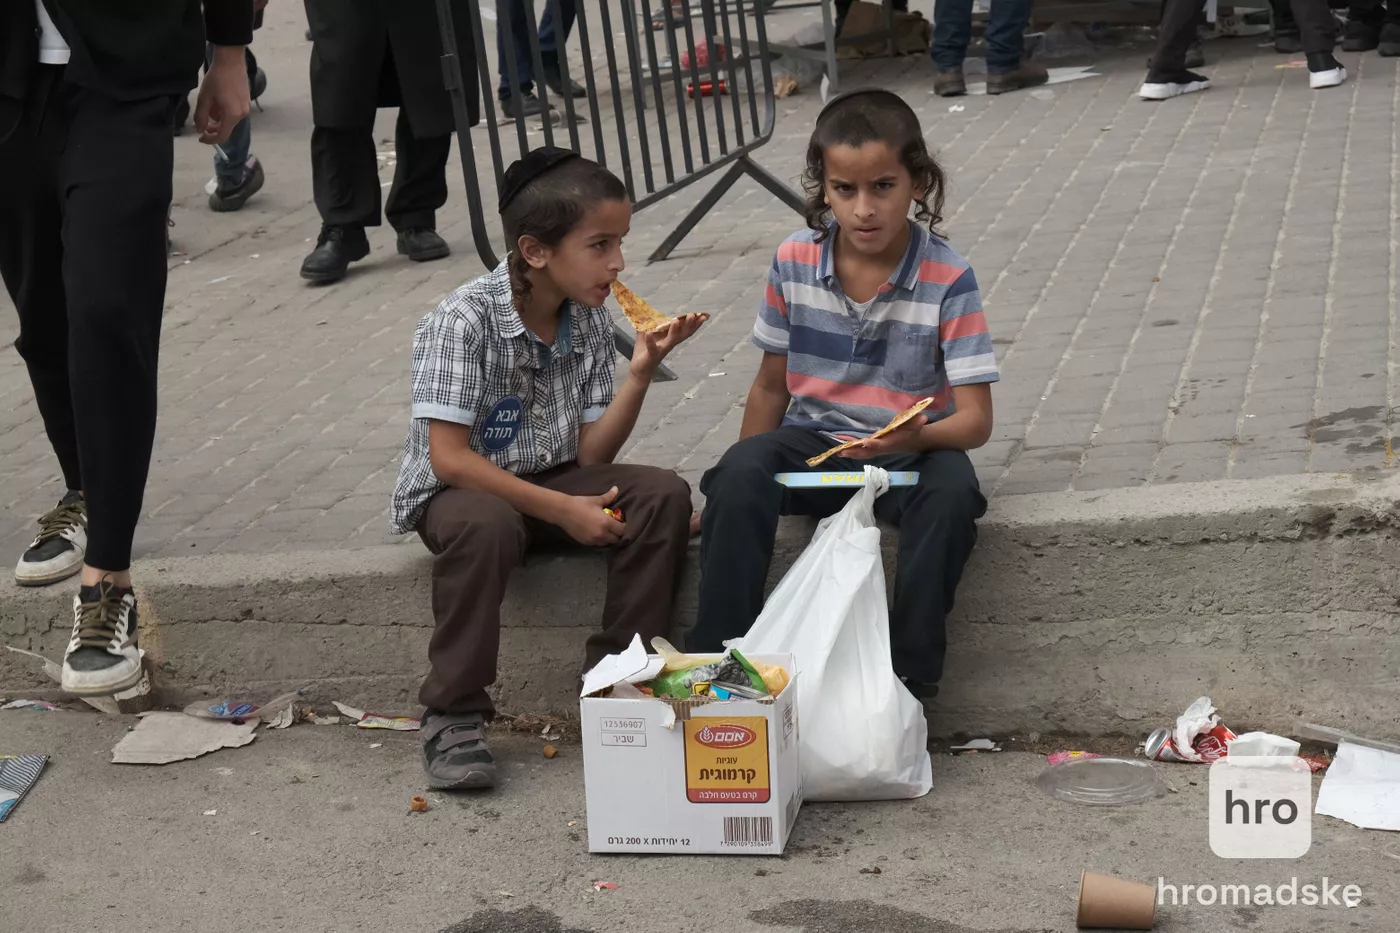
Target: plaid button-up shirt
{"points": [[475, 363]]}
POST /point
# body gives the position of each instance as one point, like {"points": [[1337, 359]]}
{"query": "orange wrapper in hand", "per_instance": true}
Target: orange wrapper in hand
{"points": [[615, 513]]}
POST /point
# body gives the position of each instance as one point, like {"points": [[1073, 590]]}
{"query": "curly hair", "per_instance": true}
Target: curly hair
{"points": [[873, 115], [551, 205]]}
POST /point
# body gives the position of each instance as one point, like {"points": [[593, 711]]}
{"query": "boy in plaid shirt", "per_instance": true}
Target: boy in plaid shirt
{"points": [[516, 423]]}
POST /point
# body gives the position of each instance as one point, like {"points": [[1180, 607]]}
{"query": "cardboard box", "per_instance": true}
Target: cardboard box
{"points": [[692, 776]]}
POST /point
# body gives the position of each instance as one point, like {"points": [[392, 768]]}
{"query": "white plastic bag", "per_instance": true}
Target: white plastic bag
{"points": [[863, 733]]}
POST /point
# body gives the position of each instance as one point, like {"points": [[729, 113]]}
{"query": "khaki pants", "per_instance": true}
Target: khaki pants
{"points": [[478, 540]]}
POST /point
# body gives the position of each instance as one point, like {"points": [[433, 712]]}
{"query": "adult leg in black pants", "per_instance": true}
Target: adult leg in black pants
{"points": [[1195, 54], [345, 186], [1390, 30], [86, 183], [1286, 38], [1167, 76], [1166, 71], [1318, 31], [937, 523]]}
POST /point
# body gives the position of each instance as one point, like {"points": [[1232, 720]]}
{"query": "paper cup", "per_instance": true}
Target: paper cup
{"points": [[139, 698], [1106, 902]]}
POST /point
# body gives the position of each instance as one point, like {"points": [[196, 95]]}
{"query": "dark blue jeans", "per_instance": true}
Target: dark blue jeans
{"points": [[520, 39], [952, 31], [237, 148]]}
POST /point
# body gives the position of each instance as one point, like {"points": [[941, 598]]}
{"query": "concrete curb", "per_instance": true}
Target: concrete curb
{"points": [[1094, 612]]}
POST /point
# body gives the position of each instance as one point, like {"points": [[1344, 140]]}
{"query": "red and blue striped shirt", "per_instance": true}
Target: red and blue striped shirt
{"points": [[850, 367]]}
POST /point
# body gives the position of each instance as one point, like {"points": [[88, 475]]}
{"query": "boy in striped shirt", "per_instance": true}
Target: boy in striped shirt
{"points": [[865, 313]]}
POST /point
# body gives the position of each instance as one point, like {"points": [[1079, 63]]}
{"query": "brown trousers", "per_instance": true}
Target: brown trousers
{"points": [[478, 540]]}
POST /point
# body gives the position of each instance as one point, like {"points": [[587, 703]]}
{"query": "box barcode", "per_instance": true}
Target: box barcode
{"points": [[748, 830]]}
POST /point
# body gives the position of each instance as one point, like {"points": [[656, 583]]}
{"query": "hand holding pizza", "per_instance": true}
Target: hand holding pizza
{"points": [[653, 345], [657, 334], [902, 440], [902, 431]]}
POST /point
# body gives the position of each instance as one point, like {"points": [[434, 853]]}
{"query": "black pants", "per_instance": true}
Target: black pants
{"points": [[1374, 12], [84, 191], [937, 529], [345, 177], [1317, 30]]}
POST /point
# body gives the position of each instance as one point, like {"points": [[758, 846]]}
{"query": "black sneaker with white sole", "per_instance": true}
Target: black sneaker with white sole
{"points": [[1164, 86], [57, 551], [1324, 70], [102, 657]]}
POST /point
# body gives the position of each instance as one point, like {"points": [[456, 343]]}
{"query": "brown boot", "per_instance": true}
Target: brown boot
{"points": [[1028, 74], [949, 84]]}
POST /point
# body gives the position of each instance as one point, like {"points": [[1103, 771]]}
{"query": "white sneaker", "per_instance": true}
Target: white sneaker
{"points": [[102, 657], [1329, 78], [57, 552], [1165, 87]]}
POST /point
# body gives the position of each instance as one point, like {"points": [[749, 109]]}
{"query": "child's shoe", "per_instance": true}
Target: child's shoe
{"points": [[455, 753]]}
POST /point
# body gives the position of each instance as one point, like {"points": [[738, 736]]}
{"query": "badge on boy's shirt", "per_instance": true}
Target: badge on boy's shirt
{"points": [[503, 423]]}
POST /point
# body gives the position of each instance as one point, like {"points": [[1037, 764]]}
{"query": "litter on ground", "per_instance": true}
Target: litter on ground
{"points": [[161, 738]]}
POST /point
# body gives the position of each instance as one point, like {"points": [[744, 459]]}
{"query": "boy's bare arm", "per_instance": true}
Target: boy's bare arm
{"points": [[456, 464], [599, 441], [768, 397], [969, 427]]}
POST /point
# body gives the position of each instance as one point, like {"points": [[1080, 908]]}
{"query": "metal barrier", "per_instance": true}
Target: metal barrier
{"points": [[659, 145], [831, 42]]}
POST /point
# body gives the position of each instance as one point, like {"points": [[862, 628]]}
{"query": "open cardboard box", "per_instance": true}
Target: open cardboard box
{"points": [[698, 775]]}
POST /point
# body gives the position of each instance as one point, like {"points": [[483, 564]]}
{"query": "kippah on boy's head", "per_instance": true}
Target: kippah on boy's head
{"points": [[550, 188], [871, 120]]}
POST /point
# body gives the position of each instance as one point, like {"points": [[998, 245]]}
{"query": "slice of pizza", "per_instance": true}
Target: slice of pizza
{"points": [[643, 316], [896, 422]]}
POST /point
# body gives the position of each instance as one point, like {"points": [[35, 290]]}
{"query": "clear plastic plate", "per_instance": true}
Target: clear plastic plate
{"points": [[1102, 782]]}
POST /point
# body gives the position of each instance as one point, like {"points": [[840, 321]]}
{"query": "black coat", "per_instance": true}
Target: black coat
{"points": [[386, 53], [125, 49]]}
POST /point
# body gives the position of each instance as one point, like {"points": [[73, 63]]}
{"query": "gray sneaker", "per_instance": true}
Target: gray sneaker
{"points": [[455, 753], [57, 552]]}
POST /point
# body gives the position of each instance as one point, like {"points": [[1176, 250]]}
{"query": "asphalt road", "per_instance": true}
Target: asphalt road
{"points": [[313, 833]]}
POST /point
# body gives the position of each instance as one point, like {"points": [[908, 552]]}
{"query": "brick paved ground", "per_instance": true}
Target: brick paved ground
{"points": [[1193, 290]]}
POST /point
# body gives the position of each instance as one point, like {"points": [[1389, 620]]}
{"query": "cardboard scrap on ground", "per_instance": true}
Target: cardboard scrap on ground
{"points": [[161, 738]]}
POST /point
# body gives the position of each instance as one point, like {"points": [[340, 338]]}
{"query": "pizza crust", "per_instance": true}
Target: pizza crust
{"points": [[896, 422]]}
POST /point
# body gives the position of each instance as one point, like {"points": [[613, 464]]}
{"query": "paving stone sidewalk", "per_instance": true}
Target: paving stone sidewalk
{"points": [[1193, 290]]}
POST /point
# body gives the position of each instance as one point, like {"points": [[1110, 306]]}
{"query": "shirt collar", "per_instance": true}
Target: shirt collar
{"points": [[508, 319], [905, 276]]}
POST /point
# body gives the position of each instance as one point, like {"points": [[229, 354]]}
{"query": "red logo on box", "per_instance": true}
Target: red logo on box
{"points": [[726, 735]]}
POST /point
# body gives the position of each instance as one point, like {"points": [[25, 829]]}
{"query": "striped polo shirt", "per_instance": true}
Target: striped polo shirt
{"points": [[852, 367]]}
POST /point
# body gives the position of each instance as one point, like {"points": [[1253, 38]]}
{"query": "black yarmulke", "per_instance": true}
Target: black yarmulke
{"points": [[529, 167]]}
